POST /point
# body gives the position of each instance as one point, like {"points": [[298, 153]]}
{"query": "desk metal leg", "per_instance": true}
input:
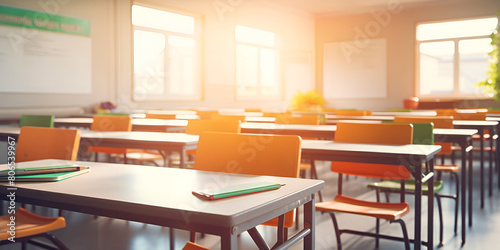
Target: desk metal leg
{"points": [[228, 241], [481, 143], [418, 209], [310, 222], [490, 180], [430, 208], [463, 189], [470, 187]]}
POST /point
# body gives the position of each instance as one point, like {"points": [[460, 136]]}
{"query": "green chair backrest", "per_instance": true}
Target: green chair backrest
{"points": [[423, 133], [37, 121]]}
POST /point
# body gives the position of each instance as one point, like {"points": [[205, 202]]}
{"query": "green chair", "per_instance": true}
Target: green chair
{"points": [[37, 121], [423, 133]]}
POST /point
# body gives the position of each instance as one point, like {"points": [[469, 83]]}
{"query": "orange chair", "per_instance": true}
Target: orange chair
{"points": [[354, 112], [193, 246], [37, 143], [219, 117], [400, 134], [297, 119], [273, 155], [112, 123], [196, 127], [206, 114], [29, 226], [160, 116]]}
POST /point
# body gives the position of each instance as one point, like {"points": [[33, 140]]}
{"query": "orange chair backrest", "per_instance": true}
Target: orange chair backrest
{"points": [[470, 116], [296, 119], [439, 122], [219, 117], [370, 133], [254, 154], [161, 116], [206, 114], [37, 143], [196, 127], [354, 112], [111, 123]]}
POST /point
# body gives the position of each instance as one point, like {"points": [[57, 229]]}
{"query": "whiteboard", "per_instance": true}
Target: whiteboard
{"points": [[49, 62], [355, 69]]}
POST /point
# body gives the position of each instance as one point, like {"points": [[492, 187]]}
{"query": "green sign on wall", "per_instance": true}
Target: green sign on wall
{"points": [[43, 21]]}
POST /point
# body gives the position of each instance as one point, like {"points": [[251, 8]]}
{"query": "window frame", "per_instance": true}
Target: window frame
{"points": [[197, 36], [277, 69], [456, 63]]}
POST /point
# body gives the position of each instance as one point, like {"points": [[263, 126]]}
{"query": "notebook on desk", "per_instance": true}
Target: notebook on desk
{"points": [[42, 174], [237, 190]]}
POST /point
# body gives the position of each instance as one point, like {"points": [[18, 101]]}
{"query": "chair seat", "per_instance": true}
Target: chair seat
{"points": [[305, 166], [391, 185], [447, 168], [344, 204], [193, 246], [28, 224]]}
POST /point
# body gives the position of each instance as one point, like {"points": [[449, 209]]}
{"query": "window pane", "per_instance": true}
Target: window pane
{"points": [[149, 63], [162, 20], [254, 36], [268, 72], [182, 54], [247, 69], [436, 68], [473, 63], [455, 29]]}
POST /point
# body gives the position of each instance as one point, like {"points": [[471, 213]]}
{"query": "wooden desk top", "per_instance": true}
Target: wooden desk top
{"points": [[162, 196]]}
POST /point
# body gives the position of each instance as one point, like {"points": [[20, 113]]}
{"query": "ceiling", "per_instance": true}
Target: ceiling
{"points": [[348, 6]]}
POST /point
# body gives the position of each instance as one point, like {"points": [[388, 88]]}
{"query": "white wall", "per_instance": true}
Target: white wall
{"points": [[111, 54], [399, 30], [101, 15]]}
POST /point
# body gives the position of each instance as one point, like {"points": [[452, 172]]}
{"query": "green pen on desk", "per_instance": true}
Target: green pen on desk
{"points": [[42, 170]]}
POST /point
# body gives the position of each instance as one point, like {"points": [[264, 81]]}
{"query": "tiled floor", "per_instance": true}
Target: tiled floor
{"points": [[86, 232]]}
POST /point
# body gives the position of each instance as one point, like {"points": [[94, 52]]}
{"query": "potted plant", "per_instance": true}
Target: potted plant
{"points": [[492, 82], [311, 101]]}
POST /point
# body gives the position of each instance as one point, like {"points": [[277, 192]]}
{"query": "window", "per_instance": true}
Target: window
{"points": [[453, 57], [166, 55], [256, 64]]}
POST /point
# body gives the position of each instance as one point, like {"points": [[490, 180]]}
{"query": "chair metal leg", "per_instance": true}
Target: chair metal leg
{"points": [[456, 201], [405, 233], [440, 212], [377, 231], [337, 231]]}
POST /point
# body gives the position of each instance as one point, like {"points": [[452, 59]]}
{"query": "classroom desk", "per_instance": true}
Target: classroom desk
{"points": [[153, 125], [145, 194], [461, 137], [481, 126], [163, 142], [407, 155]]}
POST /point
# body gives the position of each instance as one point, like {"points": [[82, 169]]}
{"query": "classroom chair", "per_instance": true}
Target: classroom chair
{"points": [[29, 226], [206, 114], [160, 116], [118, 123], [37, 121], [446, 149], [219, 117], [37, 143], [400, 134], [272, 155], [193, 246], [423, 133], [341, 112]]}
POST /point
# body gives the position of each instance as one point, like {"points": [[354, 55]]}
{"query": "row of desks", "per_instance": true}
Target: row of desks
{"points": [[408, 155], [311, 149]]}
